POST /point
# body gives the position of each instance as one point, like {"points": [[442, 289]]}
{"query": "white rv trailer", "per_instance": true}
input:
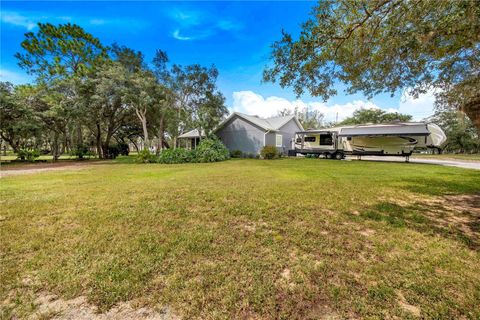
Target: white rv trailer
{"points": [[387, 139]]}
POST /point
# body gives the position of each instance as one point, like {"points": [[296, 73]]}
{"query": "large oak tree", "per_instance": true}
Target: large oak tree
{"points": [[376, 46]]}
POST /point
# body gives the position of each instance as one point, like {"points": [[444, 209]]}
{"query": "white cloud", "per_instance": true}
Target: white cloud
{"points": [[419, 108], [14, 77], [200, 25], [29, 20], [251, 103], [176, 35], [18, 19]]}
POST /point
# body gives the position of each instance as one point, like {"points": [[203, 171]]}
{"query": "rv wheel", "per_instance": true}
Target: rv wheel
{"points": [[339, 156], [328, 156]]}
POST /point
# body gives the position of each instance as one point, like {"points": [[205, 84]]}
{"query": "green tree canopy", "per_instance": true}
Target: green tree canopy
{"points": [[58, 51], [310, 119], [461, 134], [362, 116], [377, 46]]}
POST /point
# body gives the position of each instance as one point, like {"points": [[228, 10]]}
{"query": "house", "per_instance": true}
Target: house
{"points": [[250, 134]]}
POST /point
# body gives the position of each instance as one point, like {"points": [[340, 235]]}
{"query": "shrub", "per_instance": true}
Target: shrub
{"points": [[123, 148], [211, 150], [113, 151], [236, 154], [145, 156], [269, 152], [81, 151], [29, 155], [179, 155]]}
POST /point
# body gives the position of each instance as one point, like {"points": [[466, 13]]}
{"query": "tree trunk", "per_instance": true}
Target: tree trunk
{"points": [[106, 144], [145, 133], [134, 144], [98, 141], [55, 147], [141, 114], [79, 134], [161, 132]]}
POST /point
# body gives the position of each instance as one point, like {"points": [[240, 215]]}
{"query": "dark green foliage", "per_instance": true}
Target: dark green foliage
{"points": [[64, 50], [123, 148], [19, 123], [269, 152], [461, 133], [28, 154], [211, 150], [179, 155], [113, 151], [80, 151], [362, 116], [236, 154]]}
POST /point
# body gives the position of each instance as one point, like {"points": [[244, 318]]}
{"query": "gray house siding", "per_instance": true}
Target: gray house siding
{"points": [[239, 134], [288, 133]]}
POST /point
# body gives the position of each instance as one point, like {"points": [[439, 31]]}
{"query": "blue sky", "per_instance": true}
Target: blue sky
{"points": [[235, 36]]}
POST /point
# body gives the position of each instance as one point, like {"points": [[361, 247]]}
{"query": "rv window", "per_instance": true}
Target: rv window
{"points": [[349, 138], [310, 139], [326, 139]]}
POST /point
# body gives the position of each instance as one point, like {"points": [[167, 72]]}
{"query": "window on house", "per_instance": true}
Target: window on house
{"points": [[278, 140]]}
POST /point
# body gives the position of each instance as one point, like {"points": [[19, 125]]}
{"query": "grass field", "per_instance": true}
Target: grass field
{"points": [[247, 239]]}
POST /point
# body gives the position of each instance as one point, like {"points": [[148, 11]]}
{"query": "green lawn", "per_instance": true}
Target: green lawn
{"points": [[246, 239]]}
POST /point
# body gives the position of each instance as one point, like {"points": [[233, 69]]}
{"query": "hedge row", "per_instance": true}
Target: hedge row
{"points": [[209, 150]]}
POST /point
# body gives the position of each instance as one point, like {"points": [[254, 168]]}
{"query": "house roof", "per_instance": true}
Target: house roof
{"points": [[191, 134], [267, 124]]}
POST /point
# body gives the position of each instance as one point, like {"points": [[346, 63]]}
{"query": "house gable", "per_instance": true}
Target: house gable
{"points": [[238, 133]]}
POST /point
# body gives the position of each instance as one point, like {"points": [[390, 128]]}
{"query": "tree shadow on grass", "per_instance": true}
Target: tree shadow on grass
{"points": [[442, 185], [454, 217]]}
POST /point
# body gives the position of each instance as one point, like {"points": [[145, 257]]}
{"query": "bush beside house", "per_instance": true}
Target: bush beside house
{"points": [[269, 152], [209, 150]]}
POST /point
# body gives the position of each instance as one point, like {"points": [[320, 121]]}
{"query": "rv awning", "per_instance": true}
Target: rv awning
{"points": [[386, 130]]}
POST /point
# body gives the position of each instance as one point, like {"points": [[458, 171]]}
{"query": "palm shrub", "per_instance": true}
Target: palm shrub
{"points": [[269, 152], [211, 150], [145, 156]]}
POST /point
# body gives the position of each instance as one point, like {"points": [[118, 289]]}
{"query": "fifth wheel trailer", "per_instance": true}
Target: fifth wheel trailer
{"points": [[387, 139]]}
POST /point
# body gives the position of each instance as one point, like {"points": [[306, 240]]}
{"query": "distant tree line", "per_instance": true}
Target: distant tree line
{"points": [[88, 96]]}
